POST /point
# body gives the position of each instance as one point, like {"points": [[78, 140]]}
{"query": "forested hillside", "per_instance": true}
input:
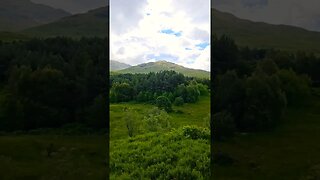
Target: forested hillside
{"points": [[165, 66], [53, 82]]}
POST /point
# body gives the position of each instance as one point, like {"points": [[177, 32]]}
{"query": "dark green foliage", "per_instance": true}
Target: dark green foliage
{"points": [[53, 82], [130, 123], [97, 113], [181, 154], [121, 92], [255, 85], [148, 87], [223, 125], [178, 101], [297, 87], [265, 102], [164, 103]]}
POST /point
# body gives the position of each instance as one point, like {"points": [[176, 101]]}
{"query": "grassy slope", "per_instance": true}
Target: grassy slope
{"points": [[115, 65], [290, 152], [16, 15], [163, 65], [257, 34], [76, 157], [91, 24]]}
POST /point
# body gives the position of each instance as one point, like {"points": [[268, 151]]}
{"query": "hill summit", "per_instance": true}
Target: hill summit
{"points": [[165, 65]]}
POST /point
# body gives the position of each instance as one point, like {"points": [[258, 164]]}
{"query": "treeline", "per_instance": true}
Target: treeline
{"points": [[48, 83], [253, 87], [149, 87]]}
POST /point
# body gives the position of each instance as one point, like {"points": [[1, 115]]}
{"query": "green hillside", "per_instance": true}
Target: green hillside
{"points": [[263, 35], [16, 15], [91, 24], [115, 65], [164, 65]]}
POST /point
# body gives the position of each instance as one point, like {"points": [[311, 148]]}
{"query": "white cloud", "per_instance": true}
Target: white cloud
{"points": [[136, 31]]}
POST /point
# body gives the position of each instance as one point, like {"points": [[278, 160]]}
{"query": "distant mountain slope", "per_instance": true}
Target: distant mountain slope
{"points": [[90, 24], [115, 65], [164, 65], [258, 34], [20, 14]]}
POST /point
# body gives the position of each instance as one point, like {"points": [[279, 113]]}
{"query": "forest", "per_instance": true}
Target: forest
{"points": [[253, 87], [264, 112], [63, 84], [50, 83]]}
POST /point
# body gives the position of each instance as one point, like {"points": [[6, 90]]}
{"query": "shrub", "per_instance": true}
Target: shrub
{"points": [[160, 156], [178, 101], [164, 103], [156, 120], [223, 125]]}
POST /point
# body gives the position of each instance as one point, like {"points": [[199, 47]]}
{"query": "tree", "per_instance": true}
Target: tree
{"points": [[265, 103], [297, 88], [122, 92], [156, 120], [164, 103]]}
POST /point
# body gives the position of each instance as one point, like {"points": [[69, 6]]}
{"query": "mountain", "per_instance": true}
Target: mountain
{"points": [[263, 35], [16, 15], [164, 65], [90, 24], [115, 65], [74, 6]]}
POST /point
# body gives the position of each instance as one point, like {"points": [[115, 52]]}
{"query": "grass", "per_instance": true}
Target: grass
{"points": [[190, 114], [289, 152], [73, 157], [165, 155]]}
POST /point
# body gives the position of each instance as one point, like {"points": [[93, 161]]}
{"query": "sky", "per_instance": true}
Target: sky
{"points": [[299, 13], [150, 30], [74, 6]]}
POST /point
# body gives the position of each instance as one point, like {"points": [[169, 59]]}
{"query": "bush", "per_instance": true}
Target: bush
{"points": [[130, 123], [178, 101], [223, 125], [297, 88], [161, 156], [156, 120], [164, 103]]}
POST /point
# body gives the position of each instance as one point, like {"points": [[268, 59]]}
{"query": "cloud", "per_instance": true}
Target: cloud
{"points": [[290, 12], [161, 30]]}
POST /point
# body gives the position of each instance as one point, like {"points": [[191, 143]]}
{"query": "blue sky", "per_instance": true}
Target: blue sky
{"points": [[150, 30]]}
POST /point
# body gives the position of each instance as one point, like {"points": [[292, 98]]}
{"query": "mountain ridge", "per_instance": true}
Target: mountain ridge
{"points": [[162, 66], [16, 15], [116, 65], [94, 23], [263, 35]]}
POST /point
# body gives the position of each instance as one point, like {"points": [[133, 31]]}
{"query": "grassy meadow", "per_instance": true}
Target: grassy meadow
{"points": [[291, 151], [32, 157], [188, 114], [181, 151]]}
